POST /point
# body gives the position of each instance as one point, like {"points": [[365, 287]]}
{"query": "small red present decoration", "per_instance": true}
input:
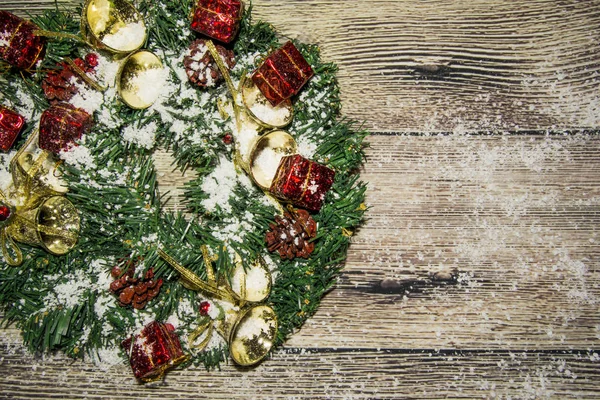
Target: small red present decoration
{"points": [[11, 124], [18, 45], [218, 19], [302, 182], [155, 349], [61, 125], [282, 74]]}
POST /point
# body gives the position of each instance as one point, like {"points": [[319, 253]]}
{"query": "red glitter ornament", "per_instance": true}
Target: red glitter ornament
{"points": [[155, 349], [5, 212], [18, 45], [218, 19], [11, 124], [282, 74], [302, 182], [61, 125], [204, 308]]}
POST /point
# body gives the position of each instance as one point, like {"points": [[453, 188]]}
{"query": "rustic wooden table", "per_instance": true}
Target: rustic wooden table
{"points": [[484, 165]]}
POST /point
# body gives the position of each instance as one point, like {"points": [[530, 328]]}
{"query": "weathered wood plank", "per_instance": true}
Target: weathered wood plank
{"points": [[316, 374], [447, 66], [515, 216], [435, 66]]}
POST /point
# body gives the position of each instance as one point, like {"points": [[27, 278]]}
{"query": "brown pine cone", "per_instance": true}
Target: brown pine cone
{"points": [[200, 66], [58, 86], [133, 291], [61, 84], [290, 234]]}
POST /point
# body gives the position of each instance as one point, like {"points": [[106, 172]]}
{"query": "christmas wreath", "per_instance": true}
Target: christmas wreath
{"points": [[93, 264]]}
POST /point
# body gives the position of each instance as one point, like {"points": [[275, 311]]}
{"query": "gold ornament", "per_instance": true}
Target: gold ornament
{"points": [[137, 79], [39, 214], [113, 25], [266, 154], [261, 110], [249, 327]]}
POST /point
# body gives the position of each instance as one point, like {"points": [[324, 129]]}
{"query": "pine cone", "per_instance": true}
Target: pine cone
{"points": [[61, 84], [58, 86], [200, 66], [290, 234], [132, 291]]}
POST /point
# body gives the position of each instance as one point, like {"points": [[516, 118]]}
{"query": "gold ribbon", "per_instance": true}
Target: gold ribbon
{"points": [[216, 288], [211, 287], [60, 35], [220, 289], [85, 76], [8, 246], [26, 184]]}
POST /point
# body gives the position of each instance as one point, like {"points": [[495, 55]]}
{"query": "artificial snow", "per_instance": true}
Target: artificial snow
{"points": [[127, 38], [79, 156], [147, 85], [219, 185], [142, 136]]}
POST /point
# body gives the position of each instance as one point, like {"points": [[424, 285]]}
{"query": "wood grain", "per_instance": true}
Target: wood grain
{"points": [[477, 272], [316, 373], [448, 66]]}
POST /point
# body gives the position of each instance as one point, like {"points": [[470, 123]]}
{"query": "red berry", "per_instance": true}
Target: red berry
{"points": [[80, 63], [92, 59], [4, 212], [228, 138], [204, 307], [170, 327]]}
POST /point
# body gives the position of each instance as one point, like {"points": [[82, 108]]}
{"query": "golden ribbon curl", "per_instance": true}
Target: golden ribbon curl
{"points": [[249, 328], [40, 216]]}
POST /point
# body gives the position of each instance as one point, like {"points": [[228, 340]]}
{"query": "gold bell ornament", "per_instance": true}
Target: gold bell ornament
{"points": [[34, 212], [249, 326], [113, 25]]}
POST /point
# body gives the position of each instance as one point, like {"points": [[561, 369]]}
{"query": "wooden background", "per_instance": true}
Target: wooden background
{"points": [[477, 273]]}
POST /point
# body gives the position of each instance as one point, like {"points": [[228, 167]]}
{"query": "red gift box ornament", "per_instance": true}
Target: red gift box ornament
{"points": [[218, 19], [61, 125], [154, 350], [282, 74], [19, 46], [11, 124], [302, 182]]}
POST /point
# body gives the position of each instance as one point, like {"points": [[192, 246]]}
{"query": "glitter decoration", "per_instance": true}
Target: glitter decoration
{"points": [[18, 45], [61, 125], [302, 182], [218, 19], [154, 350], [11, 124], [282, 74]]}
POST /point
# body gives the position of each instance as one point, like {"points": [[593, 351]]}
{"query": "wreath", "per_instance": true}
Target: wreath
{"points": [[108, 273]]}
